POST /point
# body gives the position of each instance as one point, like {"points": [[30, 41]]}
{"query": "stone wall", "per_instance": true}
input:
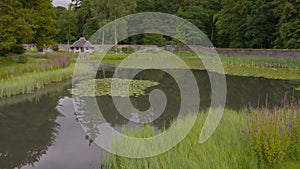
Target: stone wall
{"points": [[286, 53]]}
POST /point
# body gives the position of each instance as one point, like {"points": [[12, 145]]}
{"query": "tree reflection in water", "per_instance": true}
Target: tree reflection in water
{"points": [[240, 90], [27, 130], [28, 126]]}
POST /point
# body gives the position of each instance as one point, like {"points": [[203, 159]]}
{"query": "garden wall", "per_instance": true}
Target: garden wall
{"points": [[287, 53]]}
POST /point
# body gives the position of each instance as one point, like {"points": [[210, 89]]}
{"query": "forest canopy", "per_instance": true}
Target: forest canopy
{"points": [[227, 23]]}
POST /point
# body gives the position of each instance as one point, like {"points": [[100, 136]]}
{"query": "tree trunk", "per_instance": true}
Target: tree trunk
{"points": [[103, 35], [116, 39]]}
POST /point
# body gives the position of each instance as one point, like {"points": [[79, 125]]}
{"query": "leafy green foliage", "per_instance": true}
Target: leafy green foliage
{"points": [[66, 24], [128, 50], [260, 24], [22, 59], [18, 49], [26, 22], [227, 23], [155, 39], [288, 32]]}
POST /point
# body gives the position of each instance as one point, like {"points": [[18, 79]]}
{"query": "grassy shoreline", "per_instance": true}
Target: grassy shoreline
{"points": [[242, 70], [237, 65], [45, 69], [227, 148], [31, 82]]}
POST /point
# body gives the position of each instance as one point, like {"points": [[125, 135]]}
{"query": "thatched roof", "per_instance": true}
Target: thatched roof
{"points": [[82, 42]]}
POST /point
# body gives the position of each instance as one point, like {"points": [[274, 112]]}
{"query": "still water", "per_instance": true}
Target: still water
{"points": [[40, 130]]}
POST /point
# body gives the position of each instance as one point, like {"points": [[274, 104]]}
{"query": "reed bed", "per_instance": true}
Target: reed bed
{"points": [[261, 61], [227, 148], [30, 82], [239, 65], [262, 137], [45, 62], [51, 89]]}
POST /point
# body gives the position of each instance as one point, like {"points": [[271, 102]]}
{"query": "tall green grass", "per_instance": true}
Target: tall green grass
{"points": [[256, 138], [30, 82], [9, 67], [50, 90], [261, 61], [226, 149], [240, 65]]}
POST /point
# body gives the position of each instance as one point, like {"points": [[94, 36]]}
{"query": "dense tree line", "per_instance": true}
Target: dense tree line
{"points": [[27, 21], [227, 23]]}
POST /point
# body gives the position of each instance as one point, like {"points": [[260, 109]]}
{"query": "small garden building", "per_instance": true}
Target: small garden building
{"points": [[81, 46]]}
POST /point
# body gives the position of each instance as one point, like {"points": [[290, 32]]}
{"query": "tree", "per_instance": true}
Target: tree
{"points": [[260, 24], [195, 13], [66, 23], [105, 11], [231, 22], [83, 14], [44, 23], [26, 22], [288, 27], [14, 29], [165, 6]]}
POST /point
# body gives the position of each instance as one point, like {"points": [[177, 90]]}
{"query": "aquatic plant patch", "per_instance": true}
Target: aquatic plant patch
{"points": [[102, 87]]}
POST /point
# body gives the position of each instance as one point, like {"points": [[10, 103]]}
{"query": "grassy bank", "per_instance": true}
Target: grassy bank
{"points": [[225, 149], [41, 69], [239, 65], [51, 89], [38, 70], [35, 62], [30, 82], [229, 148]]}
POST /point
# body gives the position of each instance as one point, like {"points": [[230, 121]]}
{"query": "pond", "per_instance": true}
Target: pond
{"points": [[40, 130]]}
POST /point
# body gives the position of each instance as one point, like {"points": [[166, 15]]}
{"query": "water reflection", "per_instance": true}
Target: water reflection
{"points": [[240, 90], [34, 132], [39, 130], [27, 130]]}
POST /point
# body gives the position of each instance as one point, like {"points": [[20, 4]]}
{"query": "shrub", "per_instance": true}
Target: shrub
{"points": [[55, 48], [22, 59], [61, 50], [17, 49], [31, 49], [60, 61], [272, 132], [114, 50], [128, 50], [3, 51]]}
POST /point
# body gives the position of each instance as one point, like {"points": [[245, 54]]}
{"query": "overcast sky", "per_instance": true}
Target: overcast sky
{"points": [[63, 3]]}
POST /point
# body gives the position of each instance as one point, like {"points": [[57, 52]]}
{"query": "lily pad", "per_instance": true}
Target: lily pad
{"points": [[102, 87]]}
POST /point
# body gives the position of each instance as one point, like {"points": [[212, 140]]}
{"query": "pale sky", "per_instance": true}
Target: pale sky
{"points": [[63, 3]]}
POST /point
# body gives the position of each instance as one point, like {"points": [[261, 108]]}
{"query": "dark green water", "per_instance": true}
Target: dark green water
{"points": [[40, 130]]}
